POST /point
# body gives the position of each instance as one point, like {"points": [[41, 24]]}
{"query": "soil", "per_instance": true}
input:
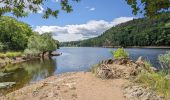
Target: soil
{"points": [[71, 86]]}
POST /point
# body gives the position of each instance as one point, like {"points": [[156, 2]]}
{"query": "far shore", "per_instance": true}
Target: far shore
{"points": [[150, 47]]}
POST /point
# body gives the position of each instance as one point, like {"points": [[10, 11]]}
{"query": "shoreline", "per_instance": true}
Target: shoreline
{"points": [[109, 80], [142, 47], [5, 61], [70, 86], [10, 61], [78, 86]]}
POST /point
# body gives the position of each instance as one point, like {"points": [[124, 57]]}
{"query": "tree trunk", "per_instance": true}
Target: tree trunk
{"points": [[50, 53], [43, 53]]}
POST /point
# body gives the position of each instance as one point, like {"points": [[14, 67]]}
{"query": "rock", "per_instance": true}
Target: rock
{"points": [[140, 60], [104, 73], [55, 54], [118, 68], [154, 69], [122, 61], [6, 84], [135, 92], [4, 74]]}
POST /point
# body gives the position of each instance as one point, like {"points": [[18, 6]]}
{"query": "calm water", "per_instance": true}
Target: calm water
{"points": [[72, 59]]}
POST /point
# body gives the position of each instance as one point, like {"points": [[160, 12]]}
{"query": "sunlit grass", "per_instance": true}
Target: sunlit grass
{"points": [[94, 69], [158, 81], [11, 54]]}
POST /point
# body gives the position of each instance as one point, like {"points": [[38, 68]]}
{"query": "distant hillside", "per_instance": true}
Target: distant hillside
{"points": [[138, 32]]}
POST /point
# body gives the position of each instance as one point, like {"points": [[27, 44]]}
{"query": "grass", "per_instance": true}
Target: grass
{"points": [[120, 53], [94, 69], [11, 54], [158, 81]]}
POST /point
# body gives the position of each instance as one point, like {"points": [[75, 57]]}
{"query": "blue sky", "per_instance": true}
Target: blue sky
{"points": [[87, 13]]}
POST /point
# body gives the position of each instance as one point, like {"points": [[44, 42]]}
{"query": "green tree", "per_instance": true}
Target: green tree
{"points": [[149, 7], [13, 33], [51, 43], [42, 43], [137, 32]]}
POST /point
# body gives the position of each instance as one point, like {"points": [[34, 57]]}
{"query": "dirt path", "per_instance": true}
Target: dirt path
{"points": [[71, 86]]}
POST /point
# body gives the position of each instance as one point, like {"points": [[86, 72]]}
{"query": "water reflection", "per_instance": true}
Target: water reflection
{"points": [[27, 72]]}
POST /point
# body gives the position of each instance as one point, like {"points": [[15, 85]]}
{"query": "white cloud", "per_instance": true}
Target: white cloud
{"points": [[75, 32], [92, 9]]}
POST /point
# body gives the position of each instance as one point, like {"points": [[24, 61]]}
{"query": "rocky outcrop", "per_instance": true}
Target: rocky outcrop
{"points": [[128, 69], [119, 68]]}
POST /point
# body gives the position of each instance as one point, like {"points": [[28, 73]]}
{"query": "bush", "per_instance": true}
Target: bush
{"points": [[31, 52], [164, 60], [94, 69], [120, 53], [157, 81], [2, 55], [13, 54]]}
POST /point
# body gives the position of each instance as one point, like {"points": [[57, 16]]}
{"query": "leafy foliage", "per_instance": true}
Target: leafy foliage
{"points": [[21, 8], [138, 32], [11, 54], [164, 59], [120, 53], [14, 34], [149, 7], [41, 44], [32, 52]]}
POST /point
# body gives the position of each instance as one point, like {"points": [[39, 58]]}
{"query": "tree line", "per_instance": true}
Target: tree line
{"points": [[19, 36], [138, 32]]}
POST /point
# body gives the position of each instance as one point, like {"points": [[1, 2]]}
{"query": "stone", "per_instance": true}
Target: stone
{"points": [[6, 84], [140, 60], [136, 92]]}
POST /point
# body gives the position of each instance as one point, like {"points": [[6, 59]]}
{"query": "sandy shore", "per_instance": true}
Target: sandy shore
{"points": [[71, 86]]}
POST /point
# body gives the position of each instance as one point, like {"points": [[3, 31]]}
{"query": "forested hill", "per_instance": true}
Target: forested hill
{"points": [[138, 32]]}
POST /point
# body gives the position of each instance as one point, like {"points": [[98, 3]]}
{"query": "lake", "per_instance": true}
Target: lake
{"points": [[71, 60]]}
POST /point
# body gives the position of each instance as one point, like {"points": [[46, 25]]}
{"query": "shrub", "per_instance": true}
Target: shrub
{"points": [[157, 81], [1, 46], [13, 54], [148, 66], [2, 55], [164, 60], [31, 52], [94, 69], [120, 53]]}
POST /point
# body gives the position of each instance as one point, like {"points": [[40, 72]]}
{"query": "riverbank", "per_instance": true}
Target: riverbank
{"points": [[6, 61], [82, 86], [18, 57], [71, 86], [114, 81]]}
